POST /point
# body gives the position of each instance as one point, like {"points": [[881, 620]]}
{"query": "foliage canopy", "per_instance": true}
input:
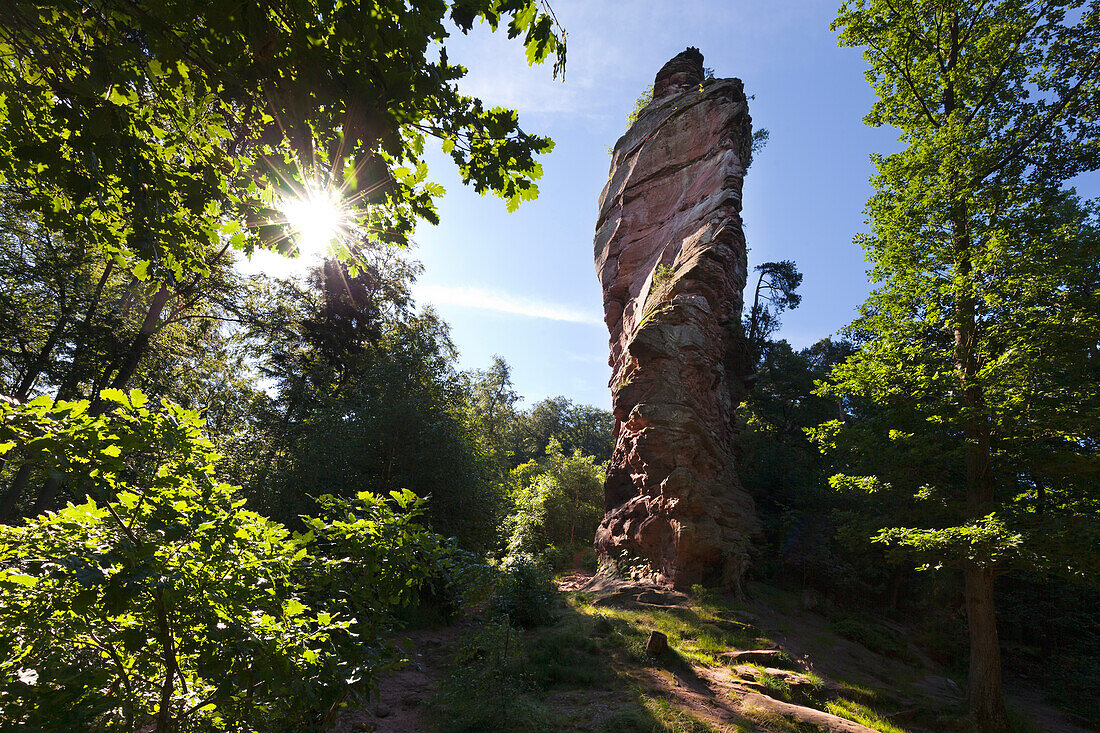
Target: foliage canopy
{"points": [[154, 130]]}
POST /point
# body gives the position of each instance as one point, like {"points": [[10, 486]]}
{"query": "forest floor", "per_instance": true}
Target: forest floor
{"points": [[763, 664]]}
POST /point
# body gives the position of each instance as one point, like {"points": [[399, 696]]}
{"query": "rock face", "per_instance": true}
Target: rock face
{"points": [[670, 255]]}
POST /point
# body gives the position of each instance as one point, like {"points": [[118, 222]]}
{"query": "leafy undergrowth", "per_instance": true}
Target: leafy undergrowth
{"points": [[589, 670]]}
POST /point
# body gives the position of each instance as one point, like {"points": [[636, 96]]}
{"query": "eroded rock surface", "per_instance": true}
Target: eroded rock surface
{"points": [[670, 255]]}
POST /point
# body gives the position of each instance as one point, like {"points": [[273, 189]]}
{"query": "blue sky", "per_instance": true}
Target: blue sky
{"points": [[523, 285]]}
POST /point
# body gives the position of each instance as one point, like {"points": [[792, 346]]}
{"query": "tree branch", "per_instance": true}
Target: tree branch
{"points": [[1017, 149]]}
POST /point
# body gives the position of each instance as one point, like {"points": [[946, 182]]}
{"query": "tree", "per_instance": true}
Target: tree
{"points": [[72, 319], [776, 461], [158, 137], [365, 395], [153, 129], [774, 293], [995, 104], [574, 427], [557, 501], [493, 405]]}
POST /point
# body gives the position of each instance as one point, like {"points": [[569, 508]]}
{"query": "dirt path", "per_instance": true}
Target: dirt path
{"points": [[400, 706]]}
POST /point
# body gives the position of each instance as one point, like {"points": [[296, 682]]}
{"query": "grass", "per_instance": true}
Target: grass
{"points": [[673, 719], [690, 632], [545, 679], [874, 636], [774, 721], [861, 714], [862, 692], [815, 681], [589, 670], [777, 687]]}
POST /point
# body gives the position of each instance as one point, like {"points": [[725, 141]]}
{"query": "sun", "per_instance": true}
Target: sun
{"points": [[316, 217]]}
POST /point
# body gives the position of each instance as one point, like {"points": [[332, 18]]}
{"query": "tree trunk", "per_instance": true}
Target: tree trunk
{"points": [[168, 649], [26, 384], [11, 496], [66, 391], [141, 341], [68, 388], [125, 372], [984, 694]]}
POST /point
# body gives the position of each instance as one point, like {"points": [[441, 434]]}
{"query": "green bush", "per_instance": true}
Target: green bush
{"points": [[524, 591], [485, 688], [158, 602], [556, 503]]}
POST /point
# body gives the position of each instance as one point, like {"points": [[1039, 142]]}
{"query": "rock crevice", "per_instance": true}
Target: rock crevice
{"points": [[670, 255]]}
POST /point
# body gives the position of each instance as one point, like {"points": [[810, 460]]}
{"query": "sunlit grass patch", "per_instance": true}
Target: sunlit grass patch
{"points": [[863, 692], [815, 681], [861, 714], [777, 687], [691, 637], [675, 720], [774, 721]]}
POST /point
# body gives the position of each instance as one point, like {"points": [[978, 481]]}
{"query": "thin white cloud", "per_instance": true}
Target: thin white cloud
{"points": [[504, 303]]}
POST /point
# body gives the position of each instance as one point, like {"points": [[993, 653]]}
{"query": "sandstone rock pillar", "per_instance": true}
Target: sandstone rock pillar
{"points": [[670, 255]]}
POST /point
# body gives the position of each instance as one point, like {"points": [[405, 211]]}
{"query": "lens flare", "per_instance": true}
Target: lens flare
{"points": [[316, 217]]}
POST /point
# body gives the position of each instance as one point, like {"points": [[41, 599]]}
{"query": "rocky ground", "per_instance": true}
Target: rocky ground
{"points": [[636, 657]]}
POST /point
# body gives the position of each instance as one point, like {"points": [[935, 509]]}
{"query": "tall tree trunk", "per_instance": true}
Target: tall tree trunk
{"points": [[141, 342], [15, 490], [125, 372], [984, 694], [984, 691], [68, 388], [168, 651], [66, 391], [34, 371]]}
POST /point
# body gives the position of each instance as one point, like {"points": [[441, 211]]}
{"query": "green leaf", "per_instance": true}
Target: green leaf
{"points": [[10, 576], [114, 395]]}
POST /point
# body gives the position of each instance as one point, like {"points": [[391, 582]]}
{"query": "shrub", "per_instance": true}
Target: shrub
{"points": [[557, 503], [485, 689], [158, 602], [525, 592], [640, 103]]}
